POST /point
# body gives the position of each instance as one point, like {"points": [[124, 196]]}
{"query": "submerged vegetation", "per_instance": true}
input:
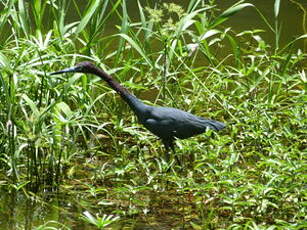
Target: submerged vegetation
{"points": [[73, 156]]}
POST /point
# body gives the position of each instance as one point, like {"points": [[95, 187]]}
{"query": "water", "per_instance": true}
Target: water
{"points": [[291, 17], [21, 212]]}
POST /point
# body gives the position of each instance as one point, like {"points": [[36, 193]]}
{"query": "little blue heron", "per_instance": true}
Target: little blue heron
{"points": [[166, 123]]}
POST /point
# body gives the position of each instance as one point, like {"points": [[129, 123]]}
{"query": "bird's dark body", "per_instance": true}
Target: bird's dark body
{"points": [[166, 123], [170, 123]]}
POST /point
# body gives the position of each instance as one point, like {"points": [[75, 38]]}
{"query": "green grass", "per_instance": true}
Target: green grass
{"points": [[73, 134]]}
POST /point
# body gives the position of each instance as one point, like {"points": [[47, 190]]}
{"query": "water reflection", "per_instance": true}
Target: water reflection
{"points": [[165, 210], [21, 211]]}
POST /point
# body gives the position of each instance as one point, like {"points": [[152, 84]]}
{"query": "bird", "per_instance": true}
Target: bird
{"points": [[166, 123]]}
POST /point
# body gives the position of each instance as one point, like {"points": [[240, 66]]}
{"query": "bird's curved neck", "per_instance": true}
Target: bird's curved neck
{"points": [[135, 104]]}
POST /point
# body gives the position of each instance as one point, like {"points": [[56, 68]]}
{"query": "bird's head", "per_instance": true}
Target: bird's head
{"points": [[82, 67]]}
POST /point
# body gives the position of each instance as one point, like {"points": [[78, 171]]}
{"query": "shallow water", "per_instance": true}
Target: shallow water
{"points": [[155, 210]]}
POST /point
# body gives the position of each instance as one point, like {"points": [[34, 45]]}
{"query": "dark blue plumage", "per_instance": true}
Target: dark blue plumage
{"points": [[166, 123]]}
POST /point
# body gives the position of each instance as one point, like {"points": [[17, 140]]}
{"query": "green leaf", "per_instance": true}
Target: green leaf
{"points": [[63, 107], [32, 105], [229, 12], [304, 36], [276, 8], [88, 15], [234, 9], [90, 218], [23, 17], [137, 47], [4, 61], [209, 33]]}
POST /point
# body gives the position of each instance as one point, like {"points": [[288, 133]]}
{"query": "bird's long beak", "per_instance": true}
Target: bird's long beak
{"points": [[67, 70]]}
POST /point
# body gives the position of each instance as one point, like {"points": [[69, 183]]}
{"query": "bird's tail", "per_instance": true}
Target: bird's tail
{"points": [[216, 125]]}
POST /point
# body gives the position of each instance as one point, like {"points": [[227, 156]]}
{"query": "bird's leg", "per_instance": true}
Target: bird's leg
{"points": [[174, 152], [169, 145], [167, 148], [167, 157]]}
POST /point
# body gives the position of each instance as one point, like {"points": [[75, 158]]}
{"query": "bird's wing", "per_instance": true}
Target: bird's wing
{"points": [[171, 122], [161, 122]]}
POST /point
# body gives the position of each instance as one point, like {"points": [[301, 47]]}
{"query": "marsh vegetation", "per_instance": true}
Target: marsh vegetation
{"points": [[72, 155]]}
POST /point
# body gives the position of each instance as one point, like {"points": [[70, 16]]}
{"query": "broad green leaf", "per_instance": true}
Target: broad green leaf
{"points": [[89, 217], [234, 9], [62, 106], [229, 12], [31, 104], [4, 62], [23, 17], [209, 33]]}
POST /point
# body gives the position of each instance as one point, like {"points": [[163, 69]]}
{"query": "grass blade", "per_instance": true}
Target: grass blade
{"points": [[229, 12], [276, 8], [89, 12], [137, 48]]}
